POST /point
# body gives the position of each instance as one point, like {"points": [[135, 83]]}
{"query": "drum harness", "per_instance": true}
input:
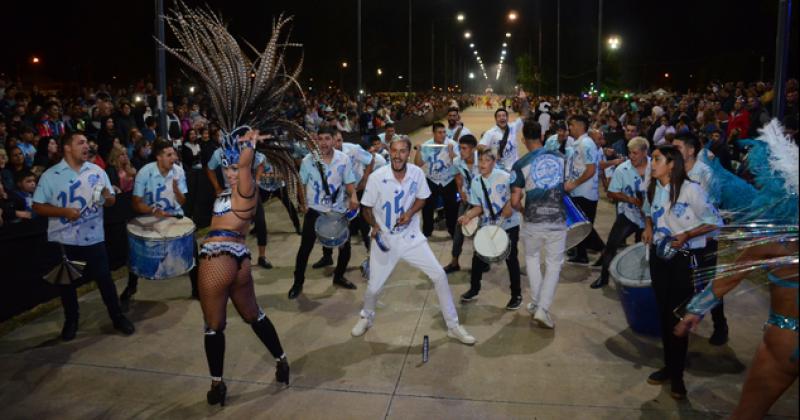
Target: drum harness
{"points": [[324, 179], [492, 214]]}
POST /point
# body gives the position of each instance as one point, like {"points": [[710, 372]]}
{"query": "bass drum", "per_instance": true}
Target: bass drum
{"points": [[491, 243], [161, 247]]}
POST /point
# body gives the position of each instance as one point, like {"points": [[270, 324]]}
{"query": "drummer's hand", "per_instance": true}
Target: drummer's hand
{"points": [[569, 186], [507, 211], [463, 220], [687, 323], [647, 236], [680, 239], [117, 190], [353, 204], [72, 214], [404, 219], [160, 213], [635, 201], [373, 233]]}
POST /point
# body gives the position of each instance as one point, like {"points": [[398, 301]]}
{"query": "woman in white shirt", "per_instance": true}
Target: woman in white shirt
{"points": [[678, 219]]}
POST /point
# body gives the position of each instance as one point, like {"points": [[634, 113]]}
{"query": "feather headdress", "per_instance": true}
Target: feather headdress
{"points": [[245, 92]]}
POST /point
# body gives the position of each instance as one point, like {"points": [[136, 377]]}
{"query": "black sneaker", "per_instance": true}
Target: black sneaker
{"points": [[677, 389], [600, 282], [344, 283], [264, 263], [578, 260], [123, 325], [719, 337], [295, 291], [469, 295], [323, 262], [69, 331], [450, 268], [487, 268], [658, 377], [514, 303]]}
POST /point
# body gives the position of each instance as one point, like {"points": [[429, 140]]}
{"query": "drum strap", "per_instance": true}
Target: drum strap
{"points": [[488, 200], [457, 134], [503, 142], [325, 183]]}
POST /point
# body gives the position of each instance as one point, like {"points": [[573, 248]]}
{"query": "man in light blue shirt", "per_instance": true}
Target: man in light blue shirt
{"points": [[490, 197], [72, 194], [159, 190], [582, 183], [627, 188], [435, 157], [466, 167], [324, 194]]}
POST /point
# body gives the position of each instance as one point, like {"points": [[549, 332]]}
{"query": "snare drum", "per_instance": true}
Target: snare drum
{"points": [[491, 243], [332, 229], [470, 228], [578, 225], [160, 247]]}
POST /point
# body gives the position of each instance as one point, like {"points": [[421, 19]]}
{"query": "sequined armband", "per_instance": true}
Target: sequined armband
{"points": [[703, 302]]}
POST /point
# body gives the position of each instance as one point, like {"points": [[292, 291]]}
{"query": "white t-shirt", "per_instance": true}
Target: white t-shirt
{"points": [[390, 198], [492, 138]]}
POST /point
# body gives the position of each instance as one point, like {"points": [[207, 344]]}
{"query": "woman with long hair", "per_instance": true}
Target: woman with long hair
{"points": [[679, 216]]}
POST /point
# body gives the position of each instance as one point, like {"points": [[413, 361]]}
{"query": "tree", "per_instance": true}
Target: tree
{"points": [[526, 77]]}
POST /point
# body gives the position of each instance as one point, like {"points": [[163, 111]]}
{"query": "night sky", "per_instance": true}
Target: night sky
{"points": [[95, 40]]}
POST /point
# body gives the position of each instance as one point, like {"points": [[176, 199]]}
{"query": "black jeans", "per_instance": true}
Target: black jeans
{"points": [[448, 194], [307, 245], [282, 195], [622, 229], [593, 241], [512, 262], [672, 284], [458, 235], [707, 257], [96, 269]]}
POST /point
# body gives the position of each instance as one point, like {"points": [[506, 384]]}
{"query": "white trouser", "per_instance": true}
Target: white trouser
{"points": [[553, 243], [419, 255]]}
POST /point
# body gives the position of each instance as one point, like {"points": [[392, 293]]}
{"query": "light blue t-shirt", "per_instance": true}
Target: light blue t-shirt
{"points": [[359, 159], [498, 185], [467, 173], [269, 180], [627, 181], [339, 173], [156, 190], [61, 186], [437, 164], [585, 153], [692, 209]]}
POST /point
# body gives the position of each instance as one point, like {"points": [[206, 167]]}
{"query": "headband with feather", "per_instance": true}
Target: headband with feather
{"points": [[245, 93]]}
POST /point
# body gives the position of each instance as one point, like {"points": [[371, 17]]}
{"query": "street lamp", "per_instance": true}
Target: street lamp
{"points": [[460, 17], [344, 64], [471, 45], [467, 35], [512, 15], [471, 75], [614, 42], [380, 72], [508, 34], [505, 44]]}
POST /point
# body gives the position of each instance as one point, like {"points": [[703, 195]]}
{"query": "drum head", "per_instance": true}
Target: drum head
{"points": [[491, 242], [332, 229], [151, 227], [577, 233], [470, 228], [630, 268]]}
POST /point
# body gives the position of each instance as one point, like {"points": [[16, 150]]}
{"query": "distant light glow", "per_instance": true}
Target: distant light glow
{"points": [[468, 35]]}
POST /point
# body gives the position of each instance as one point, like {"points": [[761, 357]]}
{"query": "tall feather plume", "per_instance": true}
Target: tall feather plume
{"points": [[243, 91], [783, 154]]}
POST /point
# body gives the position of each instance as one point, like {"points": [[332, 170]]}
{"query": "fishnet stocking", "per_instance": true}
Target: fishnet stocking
{"points": [[219, 278]]}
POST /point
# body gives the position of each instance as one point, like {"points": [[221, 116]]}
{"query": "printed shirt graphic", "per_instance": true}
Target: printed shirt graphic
{"points": [[269, 179], [584, 153], [339, 173], [467, 173], [492, 138], [437, 164], [691, 210], [627, 181], [389, 198], [541, 175], [498, 185], [156, 190], [359, 159], [61, 186]]}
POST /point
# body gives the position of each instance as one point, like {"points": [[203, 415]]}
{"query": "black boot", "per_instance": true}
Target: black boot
{"points": [[325, 261], [217, 393], [282, 371]]}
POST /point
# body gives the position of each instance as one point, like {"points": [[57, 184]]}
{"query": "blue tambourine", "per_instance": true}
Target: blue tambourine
{"points": [[351, 214]]}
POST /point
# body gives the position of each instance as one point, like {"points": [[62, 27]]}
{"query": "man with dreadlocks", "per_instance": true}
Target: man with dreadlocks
{"points": [[246, 95]]}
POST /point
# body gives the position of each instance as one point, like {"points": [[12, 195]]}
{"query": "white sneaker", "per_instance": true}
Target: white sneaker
{"points": [[532, 308], [361, 327], [460, 334], [542, 318]]}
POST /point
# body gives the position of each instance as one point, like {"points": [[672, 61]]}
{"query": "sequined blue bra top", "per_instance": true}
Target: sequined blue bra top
{"points": [[222, 204]]}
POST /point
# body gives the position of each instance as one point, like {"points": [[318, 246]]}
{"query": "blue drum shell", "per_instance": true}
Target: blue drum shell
{"points": [[159, 259]]}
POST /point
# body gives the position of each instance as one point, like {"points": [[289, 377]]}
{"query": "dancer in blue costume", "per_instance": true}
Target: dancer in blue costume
{"points": [[764, 234]]}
